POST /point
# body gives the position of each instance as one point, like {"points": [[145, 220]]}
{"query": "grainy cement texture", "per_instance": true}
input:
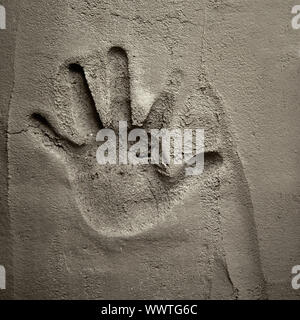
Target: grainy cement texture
{"points": [[73, 229]]}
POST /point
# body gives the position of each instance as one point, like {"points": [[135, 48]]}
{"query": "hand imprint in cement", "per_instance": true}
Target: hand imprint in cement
{"points": [[120, 200]]}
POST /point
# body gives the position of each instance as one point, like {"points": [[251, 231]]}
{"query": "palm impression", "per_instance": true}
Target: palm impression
{"points": [[118, 200]]}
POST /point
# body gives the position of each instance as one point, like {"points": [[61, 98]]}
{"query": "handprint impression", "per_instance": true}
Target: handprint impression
{"points": [[124, 199]]}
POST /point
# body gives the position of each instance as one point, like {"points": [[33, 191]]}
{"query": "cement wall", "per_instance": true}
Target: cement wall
{"points": [[72, 229]]}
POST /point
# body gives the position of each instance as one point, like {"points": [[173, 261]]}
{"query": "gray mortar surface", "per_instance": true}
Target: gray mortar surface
{"points": [[72, 229]]}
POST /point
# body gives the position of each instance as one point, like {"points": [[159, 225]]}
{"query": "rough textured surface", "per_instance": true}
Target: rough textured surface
{"points": [[74, 229]]}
